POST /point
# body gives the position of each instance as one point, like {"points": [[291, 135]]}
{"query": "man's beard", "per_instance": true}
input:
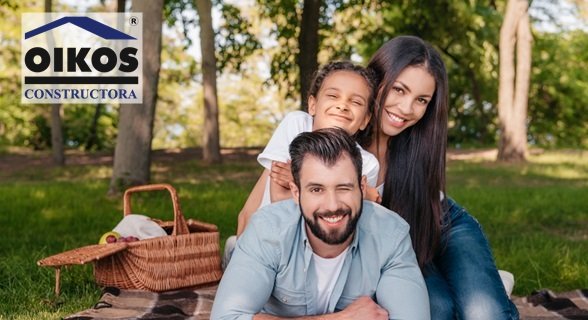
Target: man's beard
{"points": [[334, 237]]}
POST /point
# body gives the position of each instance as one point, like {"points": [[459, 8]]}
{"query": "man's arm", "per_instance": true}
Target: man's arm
{"points": [[402, 290], [249, 279], [362, 308]]}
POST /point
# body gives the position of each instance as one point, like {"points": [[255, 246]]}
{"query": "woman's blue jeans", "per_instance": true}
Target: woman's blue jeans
{"points": [[463, 281]]}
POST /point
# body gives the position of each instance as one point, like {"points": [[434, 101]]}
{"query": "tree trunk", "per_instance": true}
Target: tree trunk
{"points": [[514, 83], [57, 135], [92, 140], [57, 152], [308, 42], [211, 139], [120, 5], [132, 155], [93, 136]]}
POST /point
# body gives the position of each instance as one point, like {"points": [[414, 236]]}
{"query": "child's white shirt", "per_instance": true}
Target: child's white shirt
{"points": [[277, 149]]}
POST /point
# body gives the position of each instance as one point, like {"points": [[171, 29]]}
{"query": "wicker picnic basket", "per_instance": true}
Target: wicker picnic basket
{"points": [[188, 256]]}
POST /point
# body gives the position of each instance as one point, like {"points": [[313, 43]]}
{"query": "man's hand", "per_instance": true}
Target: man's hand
{"points": [[281, 174], [363, 308]]}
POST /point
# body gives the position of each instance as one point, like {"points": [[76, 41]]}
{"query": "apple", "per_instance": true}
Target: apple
{"points": [[109, 237]]}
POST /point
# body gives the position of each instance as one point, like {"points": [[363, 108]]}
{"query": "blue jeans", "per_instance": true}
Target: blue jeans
{"points": [[463, 280]]}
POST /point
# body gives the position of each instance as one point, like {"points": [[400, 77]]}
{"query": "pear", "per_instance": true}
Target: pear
{"points": [[109, 237]]}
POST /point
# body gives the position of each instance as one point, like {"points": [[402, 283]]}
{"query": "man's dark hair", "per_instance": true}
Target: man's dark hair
{"points": [[328, 145]]}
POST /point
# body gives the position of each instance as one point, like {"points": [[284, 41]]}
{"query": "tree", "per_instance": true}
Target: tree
{"points": [[295, 21], [513, 90], [132, 155], [56, 116], [235, 44], [211, 137], [92, 140], [308, 42], [557, 114]]}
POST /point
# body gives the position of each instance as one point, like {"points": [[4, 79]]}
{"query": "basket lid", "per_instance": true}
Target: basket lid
{"points": [[83, 255]]}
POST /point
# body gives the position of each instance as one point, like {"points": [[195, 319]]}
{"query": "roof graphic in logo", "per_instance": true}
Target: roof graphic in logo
{"points": [[85, 23]]}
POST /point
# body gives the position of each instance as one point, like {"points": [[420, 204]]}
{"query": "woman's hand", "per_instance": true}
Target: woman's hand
{"points": [[281, 174]]}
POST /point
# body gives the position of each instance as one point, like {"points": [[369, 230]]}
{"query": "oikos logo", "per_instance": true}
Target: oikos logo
{"points": [[90, 58]]}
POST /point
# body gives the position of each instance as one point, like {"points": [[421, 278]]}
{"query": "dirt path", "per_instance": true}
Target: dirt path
{"points": [[10, 163], [18, 161]]}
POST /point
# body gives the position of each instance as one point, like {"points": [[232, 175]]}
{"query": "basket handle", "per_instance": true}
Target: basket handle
{"points": [[180, 226]]}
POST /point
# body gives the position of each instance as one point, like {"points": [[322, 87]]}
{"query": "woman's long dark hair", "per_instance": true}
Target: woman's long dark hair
{"points": [[415, 173]]}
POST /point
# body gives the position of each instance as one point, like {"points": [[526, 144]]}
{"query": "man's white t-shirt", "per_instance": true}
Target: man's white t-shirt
{"points": [[277, 149], [327, 272]]}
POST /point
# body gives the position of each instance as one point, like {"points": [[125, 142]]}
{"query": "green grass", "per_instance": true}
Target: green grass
{"points": [[535, 216]]}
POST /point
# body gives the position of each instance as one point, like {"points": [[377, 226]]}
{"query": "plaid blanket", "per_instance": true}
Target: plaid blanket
{"points": [[545, 304], [189, 304], [195, 304]]}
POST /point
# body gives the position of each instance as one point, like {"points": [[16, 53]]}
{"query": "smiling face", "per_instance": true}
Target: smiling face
{"points": [[407, 101], [330, 199], [342, 101]]}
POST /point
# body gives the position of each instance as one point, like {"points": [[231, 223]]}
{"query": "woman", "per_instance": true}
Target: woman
{"points": [[410, 141]]}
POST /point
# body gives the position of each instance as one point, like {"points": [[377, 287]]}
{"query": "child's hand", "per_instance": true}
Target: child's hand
{"points": [[372, 195], [281, 173]]}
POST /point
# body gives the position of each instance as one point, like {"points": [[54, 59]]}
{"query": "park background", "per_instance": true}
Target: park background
{"points": [[226, 72]]}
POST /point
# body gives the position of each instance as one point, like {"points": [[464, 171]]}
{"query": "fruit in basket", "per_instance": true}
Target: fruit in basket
{"points": [[128, 239], [109, 237]]}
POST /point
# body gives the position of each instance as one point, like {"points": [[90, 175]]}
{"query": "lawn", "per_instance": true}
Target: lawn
{"points": [[535, 216]]}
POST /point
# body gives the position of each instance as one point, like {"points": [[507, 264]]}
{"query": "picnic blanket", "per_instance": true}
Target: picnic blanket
{"points": [[196, 304], [189, 304], [545, 304]]}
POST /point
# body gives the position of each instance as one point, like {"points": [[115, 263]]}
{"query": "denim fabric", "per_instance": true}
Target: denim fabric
{"points": [[463, 281]]}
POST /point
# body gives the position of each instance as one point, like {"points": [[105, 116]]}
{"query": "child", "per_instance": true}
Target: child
{"points": [[341, 95]]}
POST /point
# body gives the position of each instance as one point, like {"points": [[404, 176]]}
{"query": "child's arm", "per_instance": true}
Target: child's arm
{"points": [[281, 176], [282, 173], [278, 192], [253, 202], [372, 194]]}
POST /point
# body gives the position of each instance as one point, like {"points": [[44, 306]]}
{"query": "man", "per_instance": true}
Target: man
{"points": [[326, 253]]}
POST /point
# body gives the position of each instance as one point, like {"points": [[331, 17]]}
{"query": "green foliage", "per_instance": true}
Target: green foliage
{"points": [[16, 122], [236, 39], [558, 114], [249, 117], [77, 123], [465, 32], [248, 113], [40, 138], [285, 16]]}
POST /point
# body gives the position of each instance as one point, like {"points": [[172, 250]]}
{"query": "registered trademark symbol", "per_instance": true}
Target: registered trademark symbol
{"points": [[134, 21]]}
